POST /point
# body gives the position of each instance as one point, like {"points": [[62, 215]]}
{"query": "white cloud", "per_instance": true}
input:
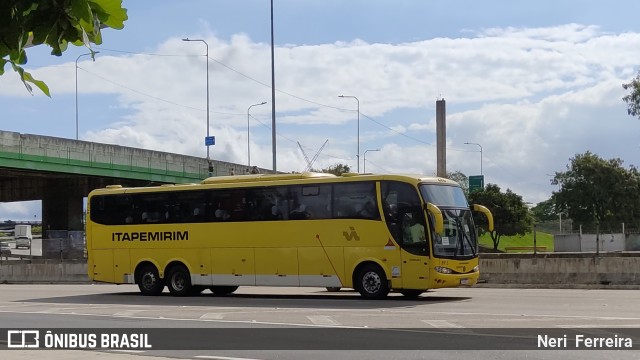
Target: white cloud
{"points": [[533, 97]]}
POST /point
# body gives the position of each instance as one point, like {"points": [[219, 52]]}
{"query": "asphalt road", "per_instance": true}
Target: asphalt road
{"points": [[456, 321]]}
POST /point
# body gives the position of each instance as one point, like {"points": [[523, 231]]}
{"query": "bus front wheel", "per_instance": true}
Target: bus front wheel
{"points": [[179, 281], [149, 281], [371, 282]]}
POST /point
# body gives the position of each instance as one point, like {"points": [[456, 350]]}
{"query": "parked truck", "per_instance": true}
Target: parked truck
{"points": [[22, 234]]}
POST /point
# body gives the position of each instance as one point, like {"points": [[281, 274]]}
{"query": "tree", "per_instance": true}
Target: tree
{"points": [[56, 23], [511, 215], [633, 99], [545, 210], [461, 179], [594, 190], [337, 169]]}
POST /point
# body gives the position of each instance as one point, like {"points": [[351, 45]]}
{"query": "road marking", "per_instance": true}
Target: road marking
{"points": [[127, 313], [222, 357], [322, 320], [441, 324], [213, 316]]}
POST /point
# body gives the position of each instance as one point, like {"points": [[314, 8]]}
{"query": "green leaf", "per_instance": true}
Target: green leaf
{"points": [[110, 12], [27, 78], [40, 84], [81, 11]]}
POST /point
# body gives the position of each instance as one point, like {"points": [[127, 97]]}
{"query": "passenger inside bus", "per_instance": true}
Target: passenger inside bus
{"points": [[221, 214], [299, 212], [368, 211], [413, 231]]}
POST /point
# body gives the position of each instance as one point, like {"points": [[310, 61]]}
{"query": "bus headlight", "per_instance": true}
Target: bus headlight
{"points": [[476, 268], [443, 270]]}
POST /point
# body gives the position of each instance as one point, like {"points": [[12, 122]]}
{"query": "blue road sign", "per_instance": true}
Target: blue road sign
{"points": [[209, 140]]}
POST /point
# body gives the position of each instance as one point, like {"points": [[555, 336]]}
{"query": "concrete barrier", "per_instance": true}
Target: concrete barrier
{"points": [[562, 269], [606, 270], [68, 272]]}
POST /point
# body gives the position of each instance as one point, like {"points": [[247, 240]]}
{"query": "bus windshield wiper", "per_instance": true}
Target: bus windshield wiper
{"points": [[465, 237]]}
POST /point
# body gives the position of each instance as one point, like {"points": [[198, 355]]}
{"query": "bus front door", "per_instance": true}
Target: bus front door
{"points": [[415, 271], [415, 252]]}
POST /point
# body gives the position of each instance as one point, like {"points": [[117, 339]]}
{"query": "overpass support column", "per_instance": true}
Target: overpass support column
{"points": [[62, 205]]}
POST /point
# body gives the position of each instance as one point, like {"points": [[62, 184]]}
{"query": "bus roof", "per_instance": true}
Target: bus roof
{"points": [[279, 179], [264, 177]]}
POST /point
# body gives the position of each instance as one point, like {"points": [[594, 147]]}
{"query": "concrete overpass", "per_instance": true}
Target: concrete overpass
{"points": [[61, 172]]}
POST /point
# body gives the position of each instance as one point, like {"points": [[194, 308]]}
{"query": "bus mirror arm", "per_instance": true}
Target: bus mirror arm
{"points": [[437, 215], [487, 213]]}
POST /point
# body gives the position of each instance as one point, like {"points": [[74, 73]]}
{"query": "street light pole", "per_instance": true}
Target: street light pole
{"points": [[358, 101], [248, 147], [78, 58], [468, 143], [207, 56], [364, 167]]}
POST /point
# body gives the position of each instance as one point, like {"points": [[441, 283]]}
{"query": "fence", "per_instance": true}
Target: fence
{"points": [[58, 246]]}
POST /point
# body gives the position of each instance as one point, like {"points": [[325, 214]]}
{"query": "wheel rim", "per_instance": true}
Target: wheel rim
{"points": [[149, 280], [371, 282], [177, 281]]}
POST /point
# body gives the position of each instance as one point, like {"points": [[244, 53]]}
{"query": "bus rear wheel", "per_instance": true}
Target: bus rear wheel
{"points": [[149, 281], [222, 290], [371, 282], [179, 281]]}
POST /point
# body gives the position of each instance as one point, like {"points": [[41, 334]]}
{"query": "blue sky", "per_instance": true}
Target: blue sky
{"points": [[535, 83]]}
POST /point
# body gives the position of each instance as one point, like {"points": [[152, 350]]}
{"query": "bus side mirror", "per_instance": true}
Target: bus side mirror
{"points": [[487, 213], [437, 215]]}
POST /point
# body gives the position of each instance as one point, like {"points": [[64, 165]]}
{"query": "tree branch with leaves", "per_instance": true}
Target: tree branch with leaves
{"points": [[633, 98], [56, 23]]}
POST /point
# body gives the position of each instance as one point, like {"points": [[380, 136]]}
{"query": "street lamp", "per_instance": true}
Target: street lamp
{"points": [[357, 156], [468, 143], [207, 55], [364, 167], [248, 148], [78, 58]]}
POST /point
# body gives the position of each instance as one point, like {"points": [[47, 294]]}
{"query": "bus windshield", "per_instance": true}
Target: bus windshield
{"points": [[459, 239]]}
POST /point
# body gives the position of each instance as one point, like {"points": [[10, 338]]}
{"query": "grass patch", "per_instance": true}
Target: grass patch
{"points": [[542, 239]]}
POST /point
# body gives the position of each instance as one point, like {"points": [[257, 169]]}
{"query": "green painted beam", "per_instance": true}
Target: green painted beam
{"points": [[95, 168]]}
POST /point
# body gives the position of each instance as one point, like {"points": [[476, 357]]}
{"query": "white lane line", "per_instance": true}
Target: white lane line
{"points": [[441, 324], [213, 316], [222, 357], [127, 313], [322, 320]]}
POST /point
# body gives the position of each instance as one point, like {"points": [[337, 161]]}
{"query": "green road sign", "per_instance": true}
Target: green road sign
{"points": [[476, 182]]}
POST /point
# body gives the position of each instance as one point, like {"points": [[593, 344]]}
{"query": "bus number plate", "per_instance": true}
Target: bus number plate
{"points": [[464, 281]]}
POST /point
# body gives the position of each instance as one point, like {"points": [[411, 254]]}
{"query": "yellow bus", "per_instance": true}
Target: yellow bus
{"points": [[373, 233]]}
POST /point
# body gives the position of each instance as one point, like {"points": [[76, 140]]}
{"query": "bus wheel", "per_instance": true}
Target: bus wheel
{"points": [[411, 294], [222, 290], [149, 281], [179, 281], [333, 288], [371, 282]]}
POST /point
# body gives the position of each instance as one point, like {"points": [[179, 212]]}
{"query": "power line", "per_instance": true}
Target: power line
{"points": [[278, 90]]}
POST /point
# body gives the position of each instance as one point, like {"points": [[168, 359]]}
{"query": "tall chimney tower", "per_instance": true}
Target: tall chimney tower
{"points": [[441, 138]]}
